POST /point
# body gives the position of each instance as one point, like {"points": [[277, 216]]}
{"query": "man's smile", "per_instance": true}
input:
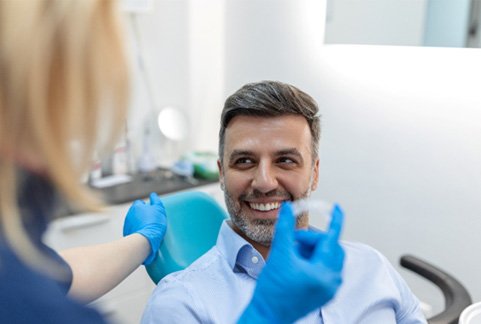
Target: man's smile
{"points": [[265, 206], [266, 209]]}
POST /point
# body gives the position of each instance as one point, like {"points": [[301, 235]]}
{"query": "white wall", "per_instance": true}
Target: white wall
{"points": [[272, 39], [401, 150], [164, 45]]}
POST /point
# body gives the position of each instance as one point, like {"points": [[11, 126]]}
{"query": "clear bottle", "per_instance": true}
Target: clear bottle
{"points": [[121, 156]]}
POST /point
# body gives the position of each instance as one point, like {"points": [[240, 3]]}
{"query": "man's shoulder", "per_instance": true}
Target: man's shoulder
{"points": [[364, 255], [359, 248], [182, 285], [371, 280], [363, 261], [197, 294], [209, 262]]}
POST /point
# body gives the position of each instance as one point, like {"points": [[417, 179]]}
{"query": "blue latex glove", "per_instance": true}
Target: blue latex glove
{"points": [[302, 272], [148, 220], [307, 240]]}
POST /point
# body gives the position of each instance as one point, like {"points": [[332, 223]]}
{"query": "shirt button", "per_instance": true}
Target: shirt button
{"points": [[255, 259]]}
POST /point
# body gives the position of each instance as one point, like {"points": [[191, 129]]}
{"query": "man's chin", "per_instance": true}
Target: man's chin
{"points": [[262, 236], [262, 241], [257, 230]]}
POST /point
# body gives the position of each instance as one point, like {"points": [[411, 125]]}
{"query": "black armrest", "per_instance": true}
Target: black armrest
{"points": [[456, 297]]}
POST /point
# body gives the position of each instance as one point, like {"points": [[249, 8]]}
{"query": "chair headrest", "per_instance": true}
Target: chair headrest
{"points": [[193, 222]]}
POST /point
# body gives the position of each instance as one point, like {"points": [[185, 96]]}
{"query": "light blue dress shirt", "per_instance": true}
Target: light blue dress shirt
{"points": [[217, 287]]}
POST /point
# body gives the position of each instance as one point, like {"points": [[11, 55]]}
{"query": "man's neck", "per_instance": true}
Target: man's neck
{"points": [[261, 248]]}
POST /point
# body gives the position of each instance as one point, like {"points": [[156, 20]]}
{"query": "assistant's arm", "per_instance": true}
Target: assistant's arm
{"points": [[300, 275], [99, 268]]}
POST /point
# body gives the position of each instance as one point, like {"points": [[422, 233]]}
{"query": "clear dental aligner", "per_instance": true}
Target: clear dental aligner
{"points": [[314, 207]]}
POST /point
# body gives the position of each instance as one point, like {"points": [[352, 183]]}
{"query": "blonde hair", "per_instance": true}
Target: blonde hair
{"points": [[63, 71]]}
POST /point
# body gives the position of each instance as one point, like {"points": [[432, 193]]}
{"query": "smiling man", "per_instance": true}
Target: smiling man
{"points": [[266, 161], [268, 153]]}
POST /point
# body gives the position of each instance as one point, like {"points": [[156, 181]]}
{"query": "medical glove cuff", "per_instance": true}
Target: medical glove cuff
{"points": [[155, 237]]}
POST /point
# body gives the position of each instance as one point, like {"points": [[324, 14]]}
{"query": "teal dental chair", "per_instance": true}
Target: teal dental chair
{"points": [[193, 222]]}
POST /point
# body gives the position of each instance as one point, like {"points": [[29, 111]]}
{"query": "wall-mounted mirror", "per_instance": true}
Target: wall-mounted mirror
{"points": [[440, 23]]}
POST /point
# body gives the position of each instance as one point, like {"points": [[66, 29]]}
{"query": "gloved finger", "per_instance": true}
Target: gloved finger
{"points": [[334, 232], [309, 237], [337, 260], [285, 227], [306, 241], [335, 227], [154, 199], [138, 202]]}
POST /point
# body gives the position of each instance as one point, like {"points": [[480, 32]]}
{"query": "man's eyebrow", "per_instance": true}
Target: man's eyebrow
{"points": [[292, 151]]}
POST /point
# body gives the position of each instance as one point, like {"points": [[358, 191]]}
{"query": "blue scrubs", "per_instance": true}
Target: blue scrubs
{"points": [[26, 294]]}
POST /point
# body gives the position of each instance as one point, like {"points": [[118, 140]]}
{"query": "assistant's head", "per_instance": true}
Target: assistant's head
{"points": [[64, 79], [268, 153]]}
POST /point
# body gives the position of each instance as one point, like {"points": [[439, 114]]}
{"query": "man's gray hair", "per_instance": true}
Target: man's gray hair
{"points": [[271, 99]]}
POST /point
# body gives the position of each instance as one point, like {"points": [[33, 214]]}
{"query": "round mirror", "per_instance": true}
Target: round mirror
{"points": [[172, 123]]}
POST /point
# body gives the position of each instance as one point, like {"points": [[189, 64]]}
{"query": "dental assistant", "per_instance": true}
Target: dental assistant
{"points": [[63, 94]]}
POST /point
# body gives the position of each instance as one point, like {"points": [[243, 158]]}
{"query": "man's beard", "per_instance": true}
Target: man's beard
{"points": [[258, 230]]}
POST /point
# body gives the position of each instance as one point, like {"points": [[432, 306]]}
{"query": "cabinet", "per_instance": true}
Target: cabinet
{"points": [[125, 303]]}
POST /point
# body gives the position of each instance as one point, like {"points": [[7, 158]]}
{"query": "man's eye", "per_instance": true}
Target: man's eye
{"points": [[286, 161], [243, 161]]}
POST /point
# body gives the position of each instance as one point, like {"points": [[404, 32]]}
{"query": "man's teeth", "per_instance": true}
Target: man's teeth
{"points": [[265, 207]]}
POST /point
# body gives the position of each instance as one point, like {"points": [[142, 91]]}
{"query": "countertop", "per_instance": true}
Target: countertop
{"points": [[160, 181]]}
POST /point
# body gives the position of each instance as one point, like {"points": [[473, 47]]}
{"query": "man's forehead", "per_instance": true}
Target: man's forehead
{"points": [[267, 123], [274, 134], [277, 152]]}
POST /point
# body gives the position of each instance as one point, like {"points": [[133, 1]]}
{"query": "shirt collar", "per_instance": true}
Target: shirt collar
{"points": [[240, 254]]}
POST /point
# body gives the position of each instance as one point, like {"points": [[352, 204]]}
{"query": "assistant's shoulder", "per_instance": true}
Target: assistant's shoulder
{"points": [[29, 296]]}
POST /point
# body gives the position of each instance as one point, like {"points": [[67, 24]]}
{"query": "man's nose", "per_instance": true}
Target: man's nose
{"points": [[265, 179]]}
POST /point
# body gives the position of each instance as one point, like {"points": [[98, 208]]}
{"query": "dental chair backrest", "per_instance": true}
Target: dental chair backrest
{"points": [[193, 222], [456, 296]]}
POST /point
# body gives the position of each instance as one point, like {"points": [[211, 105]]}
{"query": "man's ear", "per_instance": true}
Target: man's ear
{"points": [[221, 174], [315, 175]]}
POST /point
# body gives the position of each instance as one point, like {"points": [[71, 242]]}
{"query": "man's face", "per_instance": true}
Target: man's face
{"points": [[267, 160]]}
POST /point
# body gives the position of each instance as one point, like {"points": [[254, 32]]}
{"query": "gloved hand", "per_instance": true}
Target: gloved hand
{"points": [[299, 276], [148, 220]]}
